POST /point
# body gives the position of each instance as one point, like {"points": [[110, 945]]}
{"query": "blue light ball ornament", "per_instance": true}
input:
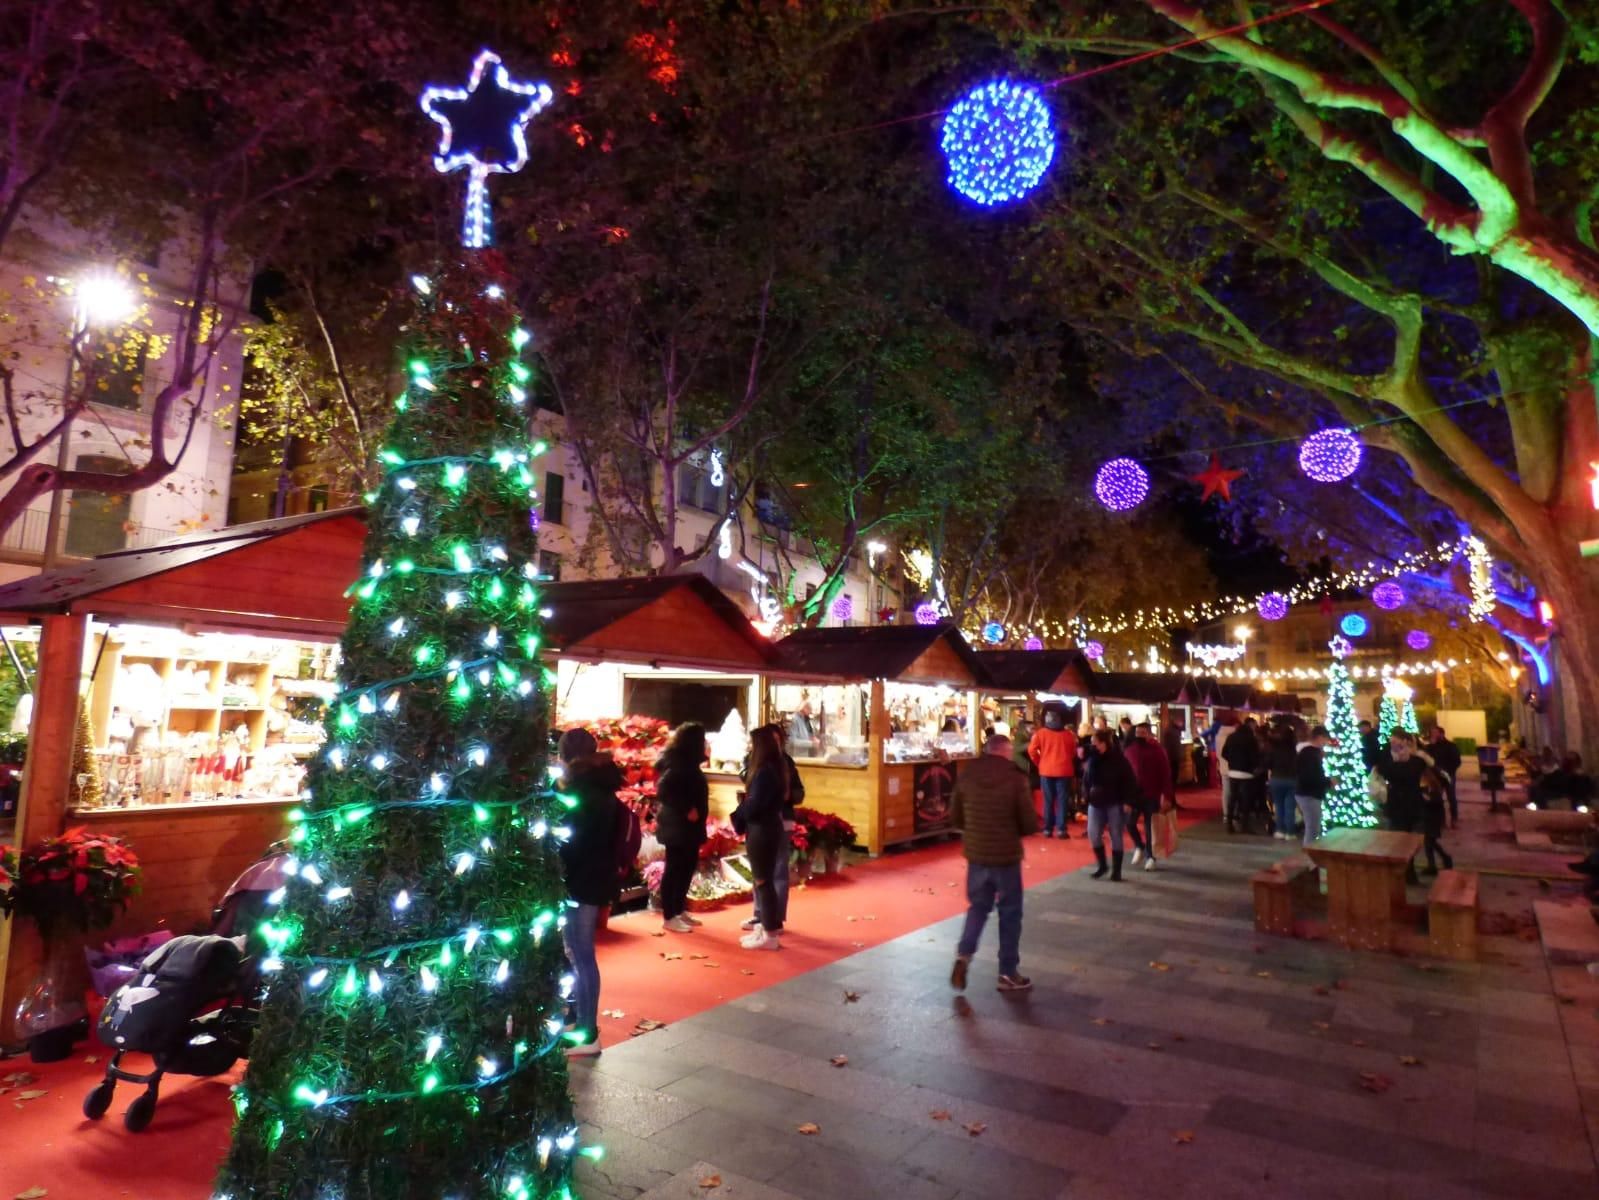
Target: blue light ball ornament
{"points": [[993, 633], [998, 140], [1354, 625]]}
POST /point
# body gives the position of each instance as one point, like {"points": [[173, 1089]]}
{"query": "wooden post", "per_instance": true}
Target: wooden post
{"points": [[46, 788], [876, 735]]}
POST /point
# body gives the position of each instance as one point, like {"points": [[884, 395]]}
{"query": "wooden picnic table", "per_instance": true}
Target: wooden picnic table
{"points": [[1365, 882]]}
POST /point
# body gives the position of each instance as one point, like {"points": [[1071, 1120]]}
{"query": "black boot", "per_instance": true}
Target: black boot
{"points": [[1116, 866], [1099, 855], [1449, 863]]}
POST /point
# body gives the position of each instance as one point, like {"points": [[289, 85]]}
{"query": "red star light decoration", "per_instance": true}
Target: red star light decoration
{"points": [[1215, 478]]}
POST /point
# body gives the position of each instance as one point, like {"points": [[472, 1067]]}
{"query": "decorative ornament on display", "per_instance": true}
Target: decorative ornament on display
{"points": [[1341, 647], [1388, 595], [1354, 625], [483, 132], [993, 633], [1121, 484], [1330, 456], [1033, 643], [1216, 480], [1481, 567], [1418, 639], [1212, 655], [844, 608], [998, 139], [927, 613], [1273, 606], [1093, 651]]}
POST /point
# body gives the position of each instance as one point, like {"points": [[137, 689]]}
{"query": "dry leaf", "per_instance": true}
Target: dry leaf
{"points": [[711, 964], [839, 1060], [18, 1079], [1159, 966], [851, 997], [658, 933], [1320, 989], [810, 1129], [670, 956], [1223, 971], [1262, 974], [1374, 1082], [645, 1025], [1184, 1137], [693, 957], [976, 1128], [1321, 1025], [1410, 1060], [1357, 1042], [745, 971], [940, 1114], [91, 1058], [861, 945], [852, 919], [1177, 1037], [615, 1014], [711, 1181], [1102, 1021], [33, 1193], [34, 1094], [1153, 1045]]}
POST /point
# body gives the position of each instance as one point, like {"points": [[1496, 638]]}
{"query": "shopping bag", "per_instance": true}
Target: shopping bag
{"points": [[1166, 832]]}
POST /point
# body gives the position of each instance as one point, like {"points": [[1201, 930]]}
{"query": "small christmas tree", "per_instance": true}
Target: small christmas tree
{"points": [[88, 789], [1407, 718], [1348, 802], [1387, 718], [730, 743]]}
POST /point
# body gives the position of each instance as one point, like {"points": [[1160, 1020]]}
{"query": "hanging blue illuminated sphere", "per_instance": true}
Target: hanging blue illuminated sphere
{"points": [[1418, 639], [1121, 484], [998, 140], [1033, 643], [1388, 594], [993, 633], [1354, 625], [1273, 606], [1330, 455], [927, 613]]}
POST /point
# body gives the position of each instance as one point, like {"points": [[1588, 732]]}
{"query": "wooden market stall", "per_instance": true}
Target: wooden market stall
{"points": [[1022, 680], [879, 720]]}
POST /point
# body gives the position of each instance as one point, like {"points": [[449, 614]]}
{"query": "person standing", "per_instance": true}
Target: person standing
{"points": [[1124, 732], [588, 859], [684, 798], [1402, 768], [1171, 741], [796, 797], [1153, 773], [1240, 757], [760, 816], [1282, 766], [1310, 781], [1110, 786], [1053, 750], [1370, 750], [1446, 760], [1434, 797], [993, 809]]}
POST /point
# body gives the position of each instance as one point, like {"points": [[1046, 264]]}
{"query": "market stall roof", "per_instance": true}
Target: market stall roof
{"points": [[1062, 672], [287, 575], [907, 653], [1148, 687], [666, 620]]}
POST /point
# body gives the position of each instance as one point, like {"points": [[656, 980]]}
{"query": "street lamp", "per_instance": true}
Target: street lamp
{"points": [[99, 299]]}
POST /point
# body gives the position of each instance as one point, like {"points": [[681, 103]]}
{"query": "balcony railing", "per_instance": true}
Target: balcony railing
{"points": [[82, 535]]}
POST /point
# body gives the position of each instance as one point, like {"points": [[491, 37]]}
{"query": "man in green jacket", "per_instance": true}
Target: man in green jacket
{"points": [[993, 809]]}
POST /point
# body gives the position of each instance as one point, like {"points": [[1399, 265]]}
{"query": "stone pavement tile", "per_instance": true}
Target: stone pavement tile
{"points": [[849, 1085], [1081, 1110], [830, 1174], [1524, 1054], [1580, 1025], [690, 1185], [1538, 1151], [713, 1049], [1527, 1116], [1041, 1138], [970, 1164], [631, 1165], [611, 1102], [646, 1065], [745, 1146], [1540, 1085]]}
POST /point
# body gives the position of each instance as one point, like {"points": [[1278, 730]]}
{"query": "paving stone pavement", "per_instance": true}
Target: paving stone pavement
{"points": [[1165, 1051]]}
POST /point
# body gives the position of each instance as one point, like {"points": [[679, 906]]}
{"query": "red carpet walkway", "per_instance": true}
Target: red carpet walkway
{"points": [[46, 1143]]}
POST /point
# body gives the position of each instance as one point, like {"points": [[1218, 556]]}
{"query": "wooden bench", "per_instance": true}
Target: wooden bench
{"points": [[1452, 916], [1279, 888]]}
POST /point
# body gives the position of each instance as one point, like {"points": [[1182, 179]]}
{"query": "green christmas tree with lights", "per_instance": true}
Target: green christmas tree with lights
{"points": [[410, 1042], [1407, 719], [1348, 803], [1387, 718]]}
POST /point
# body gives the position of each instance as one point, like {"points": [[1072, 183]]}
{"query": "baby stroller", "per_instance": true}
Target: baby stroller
{"points": [[193, 1004]]}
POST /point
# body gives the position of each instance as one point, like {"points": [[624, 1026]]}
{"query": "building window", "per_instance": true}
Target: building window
{"points": [[810, 590], [554, 498], [549, 566], [316, 498], [119, 377], [97, 522]]}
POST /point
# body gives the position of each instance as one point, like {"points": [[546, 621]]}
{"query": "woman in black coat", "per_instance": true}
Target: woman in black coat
{"points": [[683, 797], [761, 817]]}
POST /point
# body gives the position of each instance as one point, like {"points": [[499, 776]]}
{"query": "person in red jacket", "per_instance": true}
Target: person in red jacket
{"points": [[1153, 772], [1053, 749]]}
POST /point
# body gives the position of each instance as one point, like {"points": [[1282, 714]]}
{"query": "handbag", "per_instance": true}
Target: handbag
{"points": [[1166, 832], [1377, 787]]}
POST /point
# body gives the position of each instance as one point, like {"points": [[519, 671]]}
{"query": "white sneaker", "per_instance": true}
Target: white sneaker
{"points": [[694, 921], [760, 940], [583, 1050], [749, 923], [754, 935], [1149, 863], [1138, 856], [678, 924]]}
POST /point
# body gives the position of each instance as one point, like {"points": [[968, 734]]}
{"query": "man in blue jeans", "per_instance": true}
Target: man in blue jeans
{"points": [[993, 809]]}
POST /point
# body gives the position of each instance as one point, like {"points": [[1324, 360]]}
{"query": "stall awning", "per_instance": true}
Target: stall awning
{"points": [[668, 620], [1061, 672], [907, 653], [1147, 687]]}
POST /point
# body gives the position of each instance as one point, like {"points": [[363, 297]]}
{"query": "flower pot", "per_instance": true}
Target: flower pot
{"points": [[51, 1012], [696, 905], [835, 861], [818, 863]]}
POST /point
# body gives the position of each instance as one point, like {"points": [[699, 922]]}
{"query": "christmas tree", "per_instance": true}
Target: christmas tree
{"points": [[1407, 718], [410, 1044], [1348, 802], [88, 789], [1387, 718]]}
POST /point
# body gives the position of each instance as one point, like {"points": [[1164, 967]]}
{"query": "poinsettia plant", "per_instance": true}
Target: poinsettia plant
{"points": [[824, 831], [721, 839], [634, 743], [76, 879], [8, 878]]}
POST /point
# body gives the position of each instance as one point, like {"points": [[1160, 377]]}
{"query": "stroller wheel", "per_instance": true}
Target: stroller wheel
{"points": [[140, 1112], [98, 1100]]}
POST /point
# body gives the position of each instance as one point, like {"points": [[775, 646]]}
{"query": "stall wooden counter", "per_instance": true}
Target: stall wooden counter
{"points": [[893, 785]]}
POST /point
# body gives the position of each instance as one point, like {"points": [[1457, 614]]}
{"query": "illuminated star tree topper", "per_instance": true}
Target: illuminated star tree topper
{"points": [[482, 126]]}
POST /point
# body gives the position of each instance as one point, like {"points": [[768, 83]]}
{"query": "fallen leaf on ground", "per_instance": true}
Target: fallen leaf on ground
{"points": [[1410, 1060], [1153, 1045], [839, 1060], [745, 971], [711, 1181], [1223, 971], [940, 1114], [694, 956], [1102, 1021], [1183, 1138], [1374, 1082], [1177, 1037], [852, 918], [32, 1193], [976, 1128], [859, 945], [646, 1025], [1320, 989], [1321, 1024], [18, 1078], [851, 997], [1357, 1042], [615, 1014], [711, 964], [1159, 966], [1262, 974], [658, 933], [670, 956], [810, 1129], [34, 1094]]}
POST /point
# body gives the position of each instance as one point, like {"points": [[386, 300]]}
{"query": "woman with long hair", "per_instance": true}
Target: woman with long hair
{"points": [[761, 815], [684, 797]]}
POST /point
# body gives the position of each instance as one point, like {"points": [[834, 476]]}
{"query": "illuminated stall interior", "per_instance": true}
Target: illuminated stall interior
{"points": [[878, 720], [1020, 681]]}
